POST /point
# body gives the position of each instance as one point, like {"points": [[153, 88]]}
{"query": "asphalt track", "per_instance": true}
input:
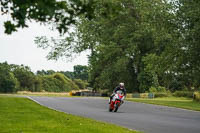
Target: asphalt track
{"points": [[137, 116]]}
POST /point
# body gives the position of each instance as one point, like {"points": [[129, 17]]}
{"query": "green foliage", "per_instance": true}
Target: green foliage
{"points": [[65, 80], [81, 72], [37, 84], [189, 24], [153, 89], [57, 83], [43, 72], [161, 94], [25, 77], [152, 63], [183, 94], [197, 96], [158, 89], [20, 78], [80, 83], [161, 89], [118, 47], [68, 74], [61, 14], [145, 80], [8, 82], [175, 85]]}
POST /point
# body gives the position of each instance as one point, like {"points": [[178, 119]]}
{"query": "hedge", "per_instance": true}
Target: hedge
{"points": [[188, 94]]}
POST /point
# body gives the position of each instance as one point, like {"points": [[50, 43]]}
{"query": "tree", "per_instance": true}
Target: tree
{"points": [[189, 25], [60, 14], [8, 82], [81, 72], [43, 72], [25, 77], [177, 66]]}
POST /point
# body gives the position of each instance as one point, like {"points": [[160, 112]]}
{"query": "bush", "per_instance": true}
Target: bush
{"points": [[176, 85], [65, 83], [197, 96], [161, 94], [152, 89], [161, 89], [187, 94], [157, 89], [80, 83]]}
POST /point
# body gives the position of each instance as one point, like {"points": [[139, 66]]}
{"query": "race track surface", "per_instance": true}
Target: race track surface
{"points": [[143, 117]]}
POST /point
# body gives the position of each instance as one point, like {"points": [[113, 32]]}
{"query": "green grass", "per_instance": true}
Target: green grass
{"points": [[32, 94], [184, 103], [21, 115]]}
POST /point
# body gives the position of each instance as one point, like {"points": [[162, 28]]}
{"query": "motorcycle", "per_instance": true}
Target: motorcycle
{"points": [[116, 101]]}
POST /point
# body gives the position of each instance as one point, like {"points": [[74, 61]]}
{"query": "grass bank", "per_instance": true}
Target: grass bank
{"points": [[21, 115], [185, 103]]}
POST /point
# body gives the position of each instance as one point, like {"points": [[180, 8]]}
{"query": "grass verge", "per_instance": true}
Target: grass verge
{"points": [[21, 115], [184, 103], [48, 94]]}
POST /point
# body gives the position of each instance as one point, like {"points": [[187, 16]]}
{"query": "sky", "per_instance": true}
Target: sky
{"points": [[19, 48]]}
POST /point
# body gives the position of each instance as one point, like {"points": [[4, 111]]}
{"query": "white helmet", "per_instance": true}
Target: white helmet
{"points": [[121, 84]]}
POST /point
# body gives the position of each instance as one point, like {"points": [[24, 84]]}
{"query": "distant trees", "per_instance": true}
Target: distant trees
{"points": [[8, 82], [81, 72], [43, 72], [25, 77], [20, 78]]}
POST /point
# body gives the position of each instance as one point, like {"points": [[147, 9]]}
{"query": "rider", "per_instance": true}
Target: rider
{"points": [[120, 87]]}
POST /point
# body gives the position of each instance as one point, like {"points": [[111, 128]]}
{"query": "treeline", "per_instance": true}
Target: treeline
{"points": [[15, 78]]}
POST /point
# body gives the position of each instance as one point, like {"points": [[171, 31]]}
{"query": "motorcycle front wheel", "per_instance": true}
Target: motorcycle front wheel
{"points": [[116, 107], [110, 108]]}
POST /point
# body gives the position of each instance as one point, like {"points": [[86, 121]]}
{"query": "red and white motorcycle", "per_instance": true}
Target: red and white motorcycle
{"points": [[116, 101]]}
